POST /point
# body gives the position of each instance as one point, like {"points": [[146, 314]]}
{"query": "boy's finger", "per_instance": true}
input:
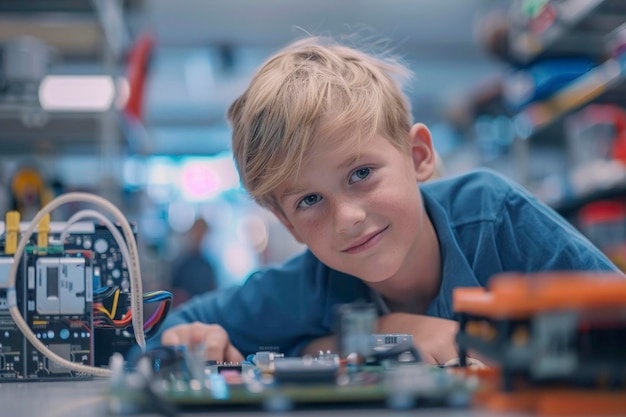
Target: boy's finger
{"points": [[232, 354], [170, 338], [428, 358], [445, 355], [215, 343]]}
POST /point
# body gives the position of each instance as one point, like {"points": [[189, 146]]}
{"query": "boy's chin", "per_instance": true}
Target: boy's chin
{"points": [[371, 278]]}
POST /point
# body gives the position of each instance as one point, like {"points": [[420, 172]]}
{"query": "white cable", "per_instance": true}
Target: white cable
{"points": [[83, 214], [136, 292], [133, 268]]}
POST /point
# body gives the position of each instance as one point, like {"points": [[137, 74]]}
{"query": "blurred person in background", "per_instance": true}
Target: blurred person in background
{"points": [[192, 273]]}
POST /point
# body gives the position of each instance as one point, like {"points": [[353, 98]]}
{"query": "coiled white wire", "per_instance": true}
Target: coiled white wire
{"points": [[129, 251]]}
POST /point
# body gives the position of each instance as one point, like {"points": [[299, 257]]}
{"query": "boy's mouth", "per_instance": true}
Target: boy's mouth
{"points": [[365, 242]]}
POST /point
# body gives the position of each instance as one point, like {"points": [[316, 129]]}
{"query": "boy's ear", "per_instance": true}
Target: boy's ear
{"points": [[422, 152], [283, 219]]}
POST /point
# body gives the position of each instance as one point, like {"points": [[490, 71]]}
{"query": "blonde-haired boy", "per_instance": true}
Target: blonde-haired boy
{"points": [[324, 138]]}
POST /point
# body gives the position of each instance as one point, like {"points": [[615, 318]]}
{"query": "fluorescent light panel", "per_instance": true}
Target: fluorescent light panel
{"points": [[79, 93]]}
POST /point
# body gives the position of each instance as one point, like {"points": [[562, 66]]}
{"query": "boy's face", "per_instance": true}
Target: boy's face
{"points": [[358, 208]]}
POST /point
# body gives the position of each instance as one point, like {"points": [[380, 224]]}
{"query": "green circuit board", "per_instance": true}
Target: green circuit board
{"points": [[301, 383]]}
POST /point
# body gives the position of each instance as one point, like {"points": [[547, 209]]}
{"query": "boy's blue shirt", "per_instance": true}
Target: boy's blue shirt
{"points": [[485, 225]]}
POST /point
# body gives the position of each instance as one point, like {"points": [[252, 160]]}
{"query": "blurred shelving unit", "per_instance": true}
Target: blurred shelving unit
{"points": [[605, 83], [561, 104], [41, 38], [592, 192], [579, 28], [544, 30], [62, 68], [571, 27], [27, 130]]}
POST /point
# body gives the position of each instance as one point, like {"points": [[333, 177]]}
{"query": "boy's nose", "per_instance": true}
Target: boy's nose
{"points": [[348, 213]]}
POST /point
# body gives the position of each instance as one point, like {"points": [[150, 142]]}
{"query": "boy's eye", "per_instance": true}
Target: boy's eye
{"points": [[309, 200], [360, 174]]}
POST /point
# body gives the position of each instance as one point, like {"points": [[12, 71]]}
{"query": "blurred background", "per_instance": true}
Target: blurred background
{"points": [[127, 99]]}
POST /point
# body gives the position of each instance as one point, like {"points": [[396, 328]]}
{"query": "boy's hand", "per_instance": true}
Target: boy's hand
{"points": [[434, 337], [214, 337]]}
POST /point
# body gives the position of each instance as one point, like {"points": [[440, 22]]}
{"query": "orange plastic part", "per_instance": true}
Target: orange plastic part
{"points": [[546, 401], [516, 295], [553, 402]]}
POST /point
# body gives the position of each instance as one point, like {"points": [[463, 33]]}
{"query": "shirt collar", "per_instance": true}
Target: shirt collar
{"points": [[456, 270]]}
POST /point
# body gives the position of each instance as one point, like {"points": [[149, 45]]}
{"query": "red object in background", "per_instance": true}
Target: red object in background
{"points": [[138, 60], [543, 21], [604, 223], [605, 211], [619, 143], [615, 116]]}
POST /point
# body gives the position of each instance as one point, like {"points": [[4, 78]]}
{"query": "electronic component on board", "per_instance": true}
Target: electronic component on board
{"points": [[73, 294], [265, 360], [291, 382], [54, 297], [384, 341], [305, 370], [356, 324], [57, 305], [273, 382], [562, 331]]}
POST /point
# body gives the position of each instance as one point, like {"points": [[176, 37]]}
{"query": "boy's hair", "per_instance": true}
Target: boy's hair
{"points": [[311, 89]]}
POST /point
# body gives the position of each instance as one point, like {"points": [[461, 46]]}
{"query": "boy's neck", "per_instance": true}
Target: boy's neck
{"points": [[414, 299], [413, 290]]}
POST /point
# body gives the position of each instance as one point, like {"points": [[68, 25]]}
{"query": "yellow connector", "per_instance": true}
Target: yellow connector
{"points": [[12, 222], [43, 228]]}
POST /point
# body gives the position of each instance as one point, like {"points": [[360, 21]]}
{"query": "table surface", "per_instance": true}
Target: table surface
{"points": [[90, 399]]}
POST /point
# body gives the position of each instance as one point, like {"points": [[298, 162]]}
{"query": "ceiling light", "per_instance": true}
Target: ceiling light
{"points": [[79, 93]]}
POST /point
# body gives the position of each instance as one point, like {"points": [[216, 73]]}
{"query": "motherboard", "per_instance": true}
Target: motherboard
{"points": [[364, 368], [73, 295], [268, 381]]}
